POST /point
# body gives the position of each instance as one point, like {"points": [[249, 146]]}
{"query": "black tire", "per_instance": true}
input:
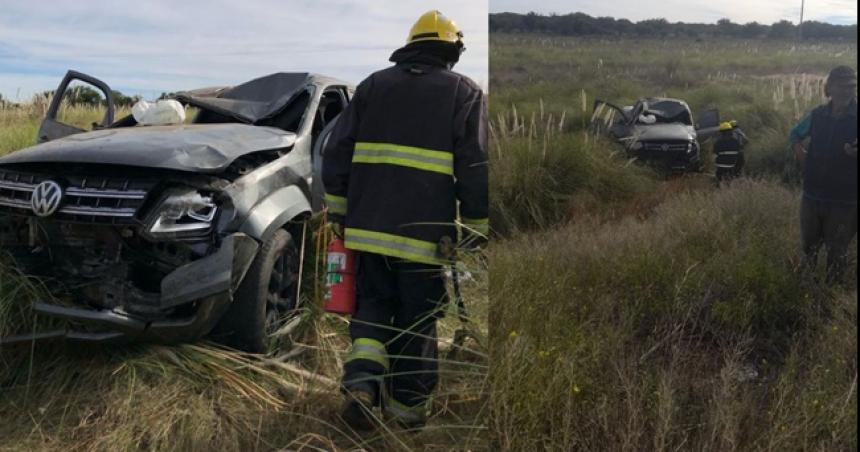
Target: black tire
{"points": [[260, 302]]}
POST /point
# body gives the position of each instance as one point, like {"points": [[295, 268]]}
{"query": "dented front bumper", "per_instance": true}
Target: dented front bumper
{"points": [[202, 289]]}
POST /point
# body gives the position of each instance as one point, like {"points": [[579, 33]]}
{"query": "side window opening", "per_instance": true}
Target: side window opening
{"points": [[331, 105], [80, 103], [83, 106]]}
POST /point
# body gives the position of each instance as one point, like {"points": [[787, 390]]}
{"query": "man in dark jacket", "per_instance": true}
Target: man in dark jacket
{"points": [[828, 212], [407, 153]]}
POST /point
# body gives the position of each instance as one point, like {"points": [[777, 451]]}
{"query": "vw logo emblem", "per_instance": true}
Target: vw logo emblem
{"points": [[665, 147], [46, 198]]}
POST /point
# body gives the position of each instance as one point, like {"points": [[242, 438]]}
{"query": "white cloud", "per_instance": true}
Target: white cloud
{"points": [[156, 46]]}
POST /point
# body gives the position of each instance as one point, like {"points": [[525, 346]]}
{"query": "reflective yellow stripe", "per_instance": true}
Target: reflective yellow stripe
{"points": [[336, 204], [369, 349], [393, 245], [480, 229], [370, 356], [475, 220], [406, 413], [409, 156], [481, 225], [423, 152], [379, 346]]}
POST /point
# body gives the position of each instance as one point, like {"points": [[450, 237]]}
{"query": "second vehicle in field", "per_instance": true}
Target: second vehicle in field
{"points": [[658, 131]]}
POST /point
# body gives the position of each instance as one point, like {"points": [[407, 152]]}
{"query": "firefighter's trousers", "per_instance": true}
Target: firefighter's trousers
{"points": [[394, 352]]}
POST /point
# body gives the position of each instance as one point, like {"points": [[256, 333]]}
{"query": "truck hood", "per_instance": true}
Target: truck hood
{"points": [[664, 132], [200, 148]]}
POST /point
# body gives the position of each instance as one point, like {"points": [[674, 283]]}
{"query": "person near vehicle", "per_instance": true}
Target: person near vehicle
{"points": [[729, 150], [407, 153], [828, 212]]}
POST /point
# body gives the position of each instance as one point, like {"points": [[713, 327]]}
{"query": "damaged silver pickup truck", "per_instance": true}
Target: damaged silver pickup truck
{"points": [[171, 233], [657, 131]]}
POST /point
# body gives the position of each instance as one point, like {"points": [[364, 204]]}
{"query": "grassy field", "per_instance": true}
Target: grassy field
{"points": [[59, 396], [633, 312]]}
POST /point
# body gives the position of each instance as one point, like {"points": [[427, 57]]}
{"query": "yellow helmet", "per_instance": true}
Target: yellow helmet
{"points": [[727, 125], [434, 26]]}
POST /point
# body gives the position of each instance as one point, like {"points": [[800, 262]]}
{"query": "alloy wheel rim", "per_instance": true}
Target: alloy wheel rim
{"points": [[281, 305]]}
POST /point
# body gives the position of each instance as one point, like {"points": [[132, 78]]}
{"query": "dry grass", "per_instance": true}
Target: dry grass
{"points": [[640, 335], [60, 396]]}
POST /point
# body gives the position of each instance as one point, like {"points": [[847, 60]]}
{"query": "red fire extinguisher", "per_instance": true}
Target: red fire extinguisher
{"points": [[340, 279]]}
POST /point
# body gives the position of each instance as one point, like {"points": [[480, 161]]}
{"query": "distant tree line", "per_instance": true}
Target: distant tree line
{"points": [[580, 24], [84, 95]]}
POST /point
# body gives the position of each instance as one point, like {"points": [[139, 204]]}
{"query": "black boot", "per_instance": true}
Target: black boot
{"points": [[357, 409]]}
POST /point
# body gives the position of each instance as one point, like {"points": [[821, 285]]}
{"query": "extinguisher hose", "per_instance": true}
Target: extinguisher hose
{"points": [[464, 332], [458, 295]]}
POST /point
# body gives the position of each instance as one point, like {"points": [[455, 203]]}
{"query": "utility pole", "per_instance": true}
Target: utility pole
{"points": [[800, 27]]}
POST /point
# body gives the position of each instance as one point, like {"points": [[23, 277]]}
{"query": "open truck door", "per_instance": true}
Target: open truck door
{"points": [[609, 120], [708, 124], [332, 103], [53, 126], [317, 188]]}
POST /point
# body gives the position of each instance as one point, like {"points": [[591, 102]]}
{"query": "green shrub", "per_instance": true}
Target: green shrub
{"points": [[539, 174]]}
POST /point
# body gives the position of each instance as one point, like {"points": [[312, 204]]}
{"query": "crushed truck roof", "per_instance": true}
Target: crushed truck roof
{"points": [[256, 100]]}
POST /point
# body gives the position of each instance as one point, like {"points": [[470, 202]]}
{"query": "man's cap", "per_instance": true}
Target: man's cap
{"points": [[842, 75]]}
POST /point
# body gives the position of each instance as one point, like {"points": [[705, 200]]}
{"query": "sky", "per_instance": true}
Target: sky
{"points": [[150, 47], [707, 11]]}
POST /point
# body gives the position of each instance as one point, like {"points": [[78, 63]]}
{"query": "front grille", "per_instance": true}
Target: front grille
{"points": [[672, 147], [86, 199]]}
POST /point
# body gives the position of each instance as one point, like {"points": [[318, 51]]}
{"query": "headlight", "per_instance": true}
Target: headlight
{"points": [[637, 145], [690, 147], [182, 214]]}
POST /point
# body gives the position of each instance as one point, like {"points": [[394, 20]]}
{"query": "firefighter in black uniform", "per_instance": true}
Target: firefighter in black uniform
{"points": [[409, 150], [729, 150]]}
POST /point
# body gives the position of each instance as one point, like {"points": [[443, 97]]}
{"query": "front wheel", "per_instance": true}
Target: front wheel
{"points": [[265, 299]]}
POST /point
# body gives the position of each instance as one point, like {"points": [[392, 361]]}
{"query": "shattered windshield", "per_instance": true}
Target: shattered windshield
{"points": [[665, 112]]}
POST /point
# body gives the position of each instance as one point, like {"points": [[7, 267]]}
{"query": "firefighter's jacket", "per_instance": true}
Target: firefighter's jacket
{"points": [[730, 141], [409, 148]]}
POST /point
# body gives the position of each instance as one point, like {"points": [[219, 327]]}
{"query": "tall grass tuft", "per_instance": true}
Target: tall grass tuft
{"points": [[541, 175], [689, 330], [19, 123], [61, 396]]}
